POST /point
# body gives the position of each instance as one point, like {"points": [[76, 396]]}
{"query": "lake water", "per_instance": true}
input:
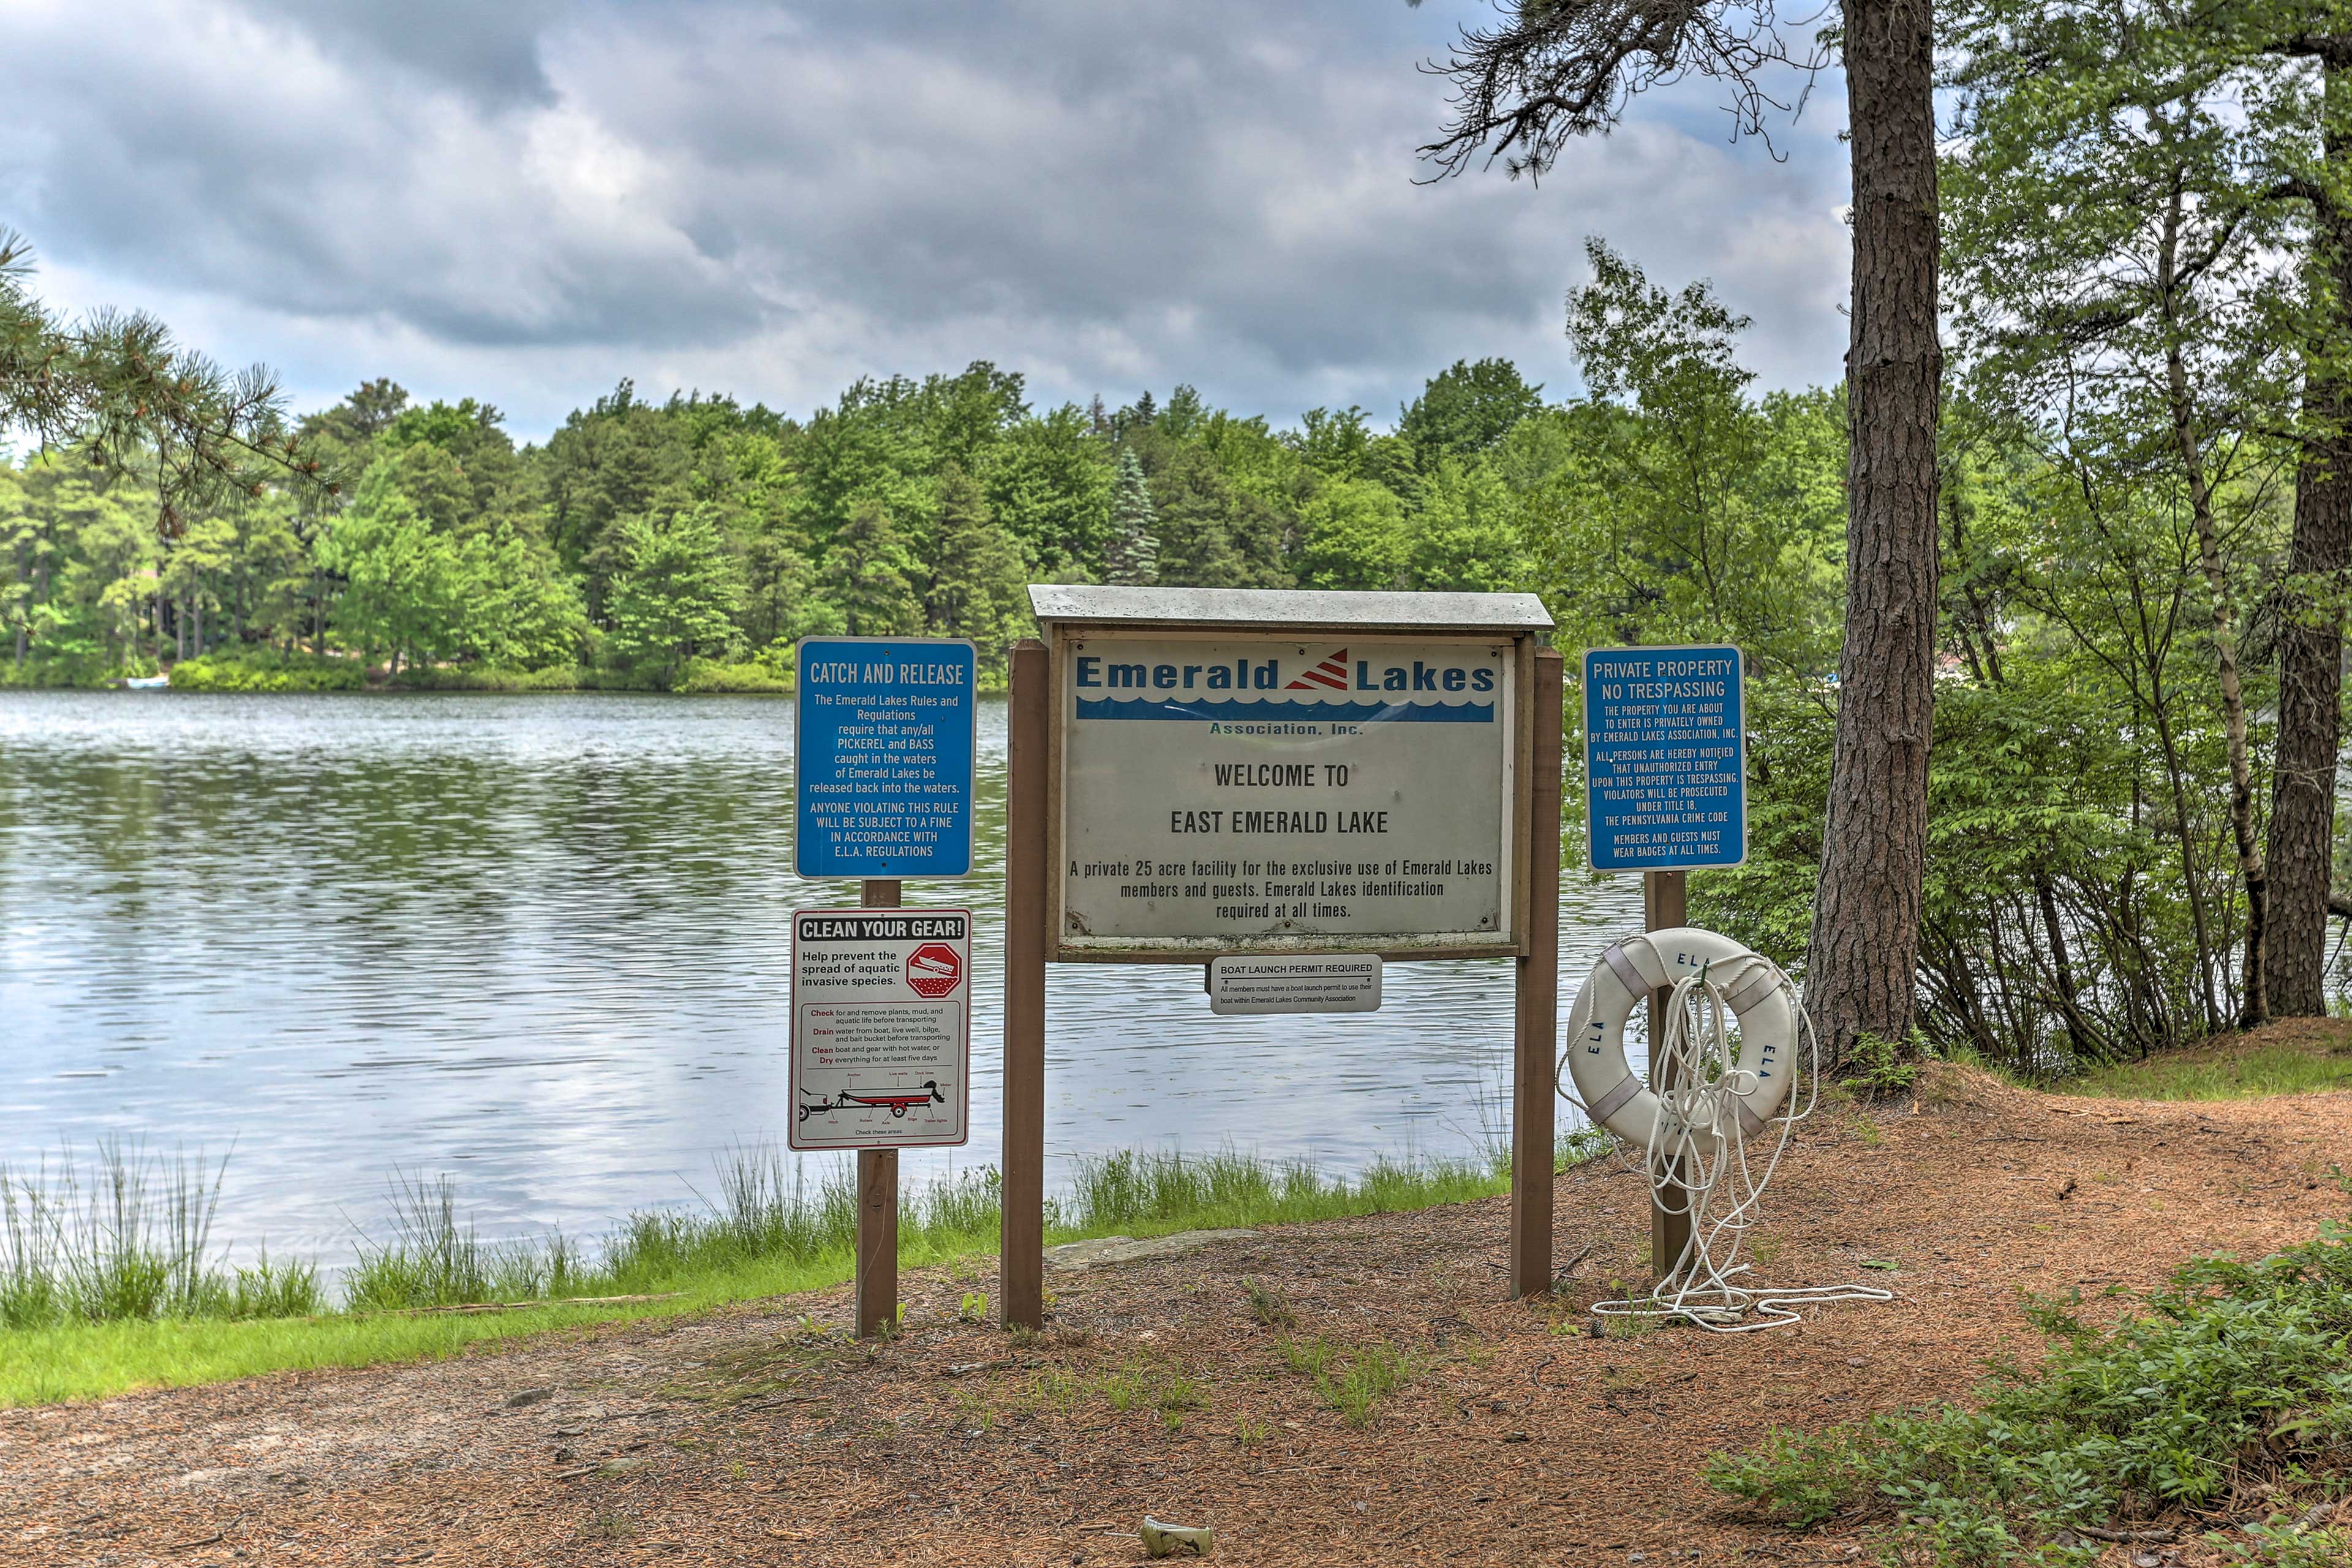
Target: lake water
{"points": [[541, 943]]}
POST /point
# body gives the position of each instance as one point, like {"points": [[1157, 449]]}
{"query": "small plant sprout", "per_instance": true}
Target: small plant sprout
{"points": [[973, 1308], [1353, 1383], [1267, 1307], [1249, 1434]]}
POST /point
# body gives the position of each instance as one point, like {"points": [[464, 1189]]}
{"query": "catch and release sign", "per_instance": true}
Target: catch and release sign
{"points": [[883, 749], [1232, 791], [1665, 758], [881, 1047]]}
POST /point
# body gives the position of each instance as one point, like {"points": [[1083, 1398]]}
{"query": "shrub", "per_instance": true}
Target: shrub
{"points": [[486, 677], [266, 670], [2232, 1383], [709, 674]]}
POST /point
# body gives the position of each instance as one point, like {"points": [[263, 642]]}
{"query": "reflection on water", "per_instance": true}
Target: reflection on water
{"points": [[540, 942]]}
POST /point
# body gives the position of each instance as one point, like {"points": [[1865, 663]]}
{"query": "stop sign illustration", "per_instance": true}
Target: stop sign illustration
{"points": [[934, 970]]}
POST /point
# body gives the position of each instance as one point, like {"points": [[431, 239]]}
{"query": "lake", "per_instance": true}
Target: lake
{"points": [[540, 942]]}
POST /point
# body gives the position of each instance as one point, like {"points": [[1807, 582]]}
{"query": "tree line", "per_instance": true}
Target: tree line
{"points": [[2044, 605], [644, 538]]}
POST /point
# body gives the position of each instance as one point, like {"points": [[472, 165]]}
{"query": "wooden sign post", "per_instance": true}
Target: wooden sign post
{"points": [[885, 732], [1665, 778], [1666, 906], [877, 1194], [1022, 1196], [1206, 773]]}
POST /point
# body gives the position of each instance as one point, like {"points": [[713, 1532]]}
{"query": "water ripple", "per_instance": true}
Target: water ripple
{"points": [[543, 941]]}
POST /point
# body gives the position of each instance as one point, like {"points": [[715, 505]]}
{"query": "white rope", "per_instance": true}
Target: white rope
{"points": [[1721, 1192]]}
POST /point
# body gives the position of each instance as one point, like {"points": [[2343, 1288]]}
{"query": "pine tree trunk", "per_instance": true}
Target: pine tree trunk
{"points": [[1861, 963], [2311, 645]]}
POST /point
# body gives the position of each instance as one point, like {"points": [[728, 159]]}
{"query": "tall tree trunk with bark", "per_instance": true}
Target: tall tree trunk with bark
{"points": [[1862, 961], [2311, 643]]}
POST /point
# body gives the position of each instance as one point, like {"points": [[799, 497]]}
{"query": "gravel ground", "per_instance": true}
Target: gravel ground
{"points": [[764, 1435]]}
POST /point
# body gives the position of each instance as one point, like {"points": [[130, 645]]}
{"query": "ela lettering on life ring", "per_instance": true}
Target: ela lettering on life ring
{"points": [[1616, 1098]]}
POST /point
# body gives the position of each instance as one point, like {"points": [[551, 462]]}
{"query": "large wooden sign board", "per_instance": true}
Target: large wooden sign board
{"points": [[1219, 791], [1199, 774]]}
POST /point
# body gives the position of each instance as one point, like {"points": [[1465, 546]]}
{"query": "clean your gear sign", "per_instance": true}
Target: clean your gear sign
{"points": [[1236, 788]]}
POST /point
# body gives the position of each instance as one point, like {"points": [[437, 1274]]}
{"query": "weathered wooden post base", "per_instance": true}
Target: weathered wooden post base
{"points": [[1665, 905], [877, 1195]]}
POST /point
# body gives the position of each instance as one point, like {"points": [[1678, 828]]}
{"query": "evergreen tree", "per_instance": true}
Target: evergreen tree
{"points": [[868, 575], [1133, 557], [1213, 532], [977, 580], [115, 386], [674, 597]]}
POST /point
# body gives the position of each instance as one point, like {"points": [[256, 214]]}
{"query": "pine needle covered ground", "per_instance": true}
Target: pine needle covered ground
{"points": [[1343, 1392]]}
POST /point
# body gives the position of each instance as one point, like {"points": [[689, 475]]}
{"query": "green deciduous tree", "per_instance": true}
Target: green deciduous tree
{"points": [[2126, 306], [674, 594], [1467, 409]]}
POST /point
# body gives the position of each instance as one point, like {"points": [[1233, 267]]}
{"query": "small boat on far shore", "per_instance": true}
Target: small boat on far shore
{"points": [[146, 682]]}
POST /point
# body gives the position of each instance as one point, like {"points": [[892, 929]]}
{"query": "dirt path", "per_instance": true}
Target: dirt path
{"points": [[1516, 1437]]}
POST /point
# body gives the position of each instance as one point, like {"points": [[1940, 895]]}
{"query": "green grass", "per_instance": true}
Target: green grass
{"points": [[1351, 1381], [2198, 1074], [766, 1231]]}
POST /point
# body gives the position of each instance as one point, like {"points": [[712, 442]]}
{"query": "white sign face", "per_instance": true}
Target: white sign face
{"points": [[1301, 982], [1232, 791], [881, 1029]]}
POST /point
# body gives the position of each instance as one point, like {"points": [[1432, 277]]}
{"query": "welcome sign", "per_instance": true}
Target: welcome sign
{"points": [[1237, 791]]}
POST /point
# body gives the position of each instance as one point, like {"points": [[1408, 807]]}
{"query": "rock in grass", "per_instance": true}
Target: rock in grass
{"points": [[1177, 1540]]}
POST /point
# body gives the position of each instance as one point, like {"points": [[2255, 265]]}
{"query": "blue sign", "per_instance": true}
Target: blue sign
{"points": [[1666, 756], [882, 757]]}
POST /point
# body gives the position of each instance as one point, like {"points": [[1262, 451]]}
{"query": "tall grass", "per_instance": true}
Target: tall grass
{"points": [[2192, 1074], [770, 1226], [1170, 1190], [768, 1208], [133, 1241]]}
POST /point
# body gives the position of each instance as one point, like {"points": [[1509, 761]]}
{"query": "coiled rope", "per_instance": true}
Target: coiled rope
{"points": [[1711, 1179]]}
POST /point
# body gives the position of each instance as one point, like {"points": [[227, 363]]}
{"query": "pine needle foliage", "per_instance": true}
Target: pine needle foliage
{"points": [[114, 387]]}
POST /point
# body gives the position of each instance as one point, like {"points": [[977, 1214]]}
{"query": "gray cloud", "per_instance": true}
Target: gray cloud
{"points": [[526, 202]]}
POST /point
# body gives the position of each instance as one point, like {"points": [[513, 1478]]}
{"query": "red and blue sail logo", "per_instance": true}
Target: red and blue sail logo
{"points": [[1332, 672]]}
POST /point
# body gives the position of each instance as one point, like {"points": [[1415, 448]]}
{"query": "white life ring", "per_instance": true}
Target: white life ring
{"points": [[1616, 1098]]}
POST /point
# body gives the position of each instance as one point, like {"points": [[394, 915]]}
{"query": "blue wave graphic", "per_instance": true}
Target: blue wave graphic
{"points": [[1250, 712]]}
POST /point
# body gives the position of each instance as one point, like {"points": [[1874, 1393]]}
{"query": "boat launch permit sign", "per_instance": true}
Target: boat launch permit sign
{"points": [[881, 1047], [1665, 758], [1241, 792]]}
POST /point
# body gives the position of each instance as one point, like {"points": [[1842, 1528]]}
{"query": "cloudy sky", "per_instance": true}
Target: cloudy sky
{"points": [[526, 200]]}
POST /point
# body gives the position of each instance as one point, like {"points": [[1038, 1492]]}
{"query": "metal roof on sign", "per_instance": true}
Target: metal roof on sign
{"points": [[1288, 608]]}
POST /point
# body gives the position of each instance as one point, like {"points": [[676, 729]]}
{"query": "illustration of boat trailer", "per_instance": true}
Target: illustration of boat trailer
{"points": [[898, 1102]]}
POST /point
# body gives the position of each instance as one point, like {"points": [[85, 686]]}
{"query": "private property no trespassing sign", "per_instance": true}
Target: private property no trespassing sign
{"points": [[881, 1048]]}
